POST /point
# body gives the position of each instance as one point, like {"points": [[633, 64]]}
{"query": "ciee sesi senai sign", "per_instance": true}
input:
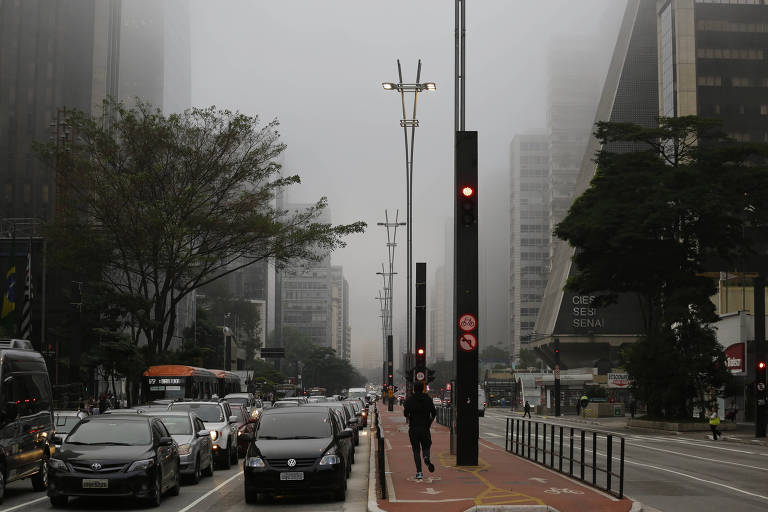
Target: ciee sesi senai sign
{"points": [[584, 314]]}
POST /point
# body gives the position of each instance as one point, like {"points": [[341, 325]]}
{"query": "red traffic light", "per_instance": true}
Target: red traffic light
{"points": [[390, 375], [761, 365], [420, 351], [467, 191]]}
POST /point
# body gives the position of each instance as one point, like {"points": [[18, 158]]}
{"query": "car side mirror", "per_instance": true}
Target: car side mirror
{"points": [[203, 433], [165, 441], [233, 419], [344, 434]]}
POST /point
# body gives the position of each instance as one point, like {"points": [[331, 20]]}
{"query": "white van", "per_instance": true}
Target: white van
{"points": [[482, 402]]}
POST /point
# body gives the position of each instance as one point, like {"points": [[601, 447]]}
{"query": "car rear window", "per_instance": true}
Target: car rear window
{"points": [[207, 412], [295, 426], [64, 424], [177, 425]]}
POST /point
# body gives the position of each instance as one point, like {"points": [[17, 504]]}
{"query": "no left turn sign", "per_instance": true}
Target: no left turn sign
{"points": [[467, 342]]}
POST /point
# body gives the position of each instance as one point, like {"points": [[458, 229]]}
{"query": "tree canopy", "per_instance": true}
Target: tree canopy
{"points": [[652, 221], [167, 204]]}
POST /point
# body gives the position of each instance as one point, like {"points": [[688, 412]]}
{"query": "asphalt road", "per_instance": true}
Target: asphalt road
{"points": [[672, 472], [223, 492]]}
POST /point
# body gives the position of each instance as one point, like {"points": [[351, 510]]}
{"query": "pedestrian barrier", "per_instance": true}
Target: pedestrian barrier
{"points": [[523, 435], [380, 456], [444, 416]]}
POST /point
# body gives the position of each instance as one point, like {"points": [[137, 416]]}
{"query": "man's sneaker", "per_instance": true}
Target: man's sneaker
{"points": [[430, 466], [419, 476]]}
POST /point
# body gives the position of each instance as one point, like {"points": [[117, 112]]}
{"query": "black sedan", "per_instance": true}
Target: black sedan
{"points": [[297, 450], [120, 455]]}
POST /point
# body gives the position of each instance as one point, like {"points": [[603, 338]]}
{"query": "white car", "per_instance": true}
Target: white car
{"points": [[219, 420]]}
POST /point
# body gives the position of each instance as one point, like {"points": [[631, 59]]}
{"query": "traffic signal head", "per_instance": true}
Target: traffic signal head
{"points": [[420, 352], [468, 205], [761, 365]]}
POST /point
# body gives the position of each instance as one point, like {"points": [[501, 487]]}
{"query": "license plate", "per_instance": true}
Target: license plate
{"points": [[95, 483], [292, 475]]}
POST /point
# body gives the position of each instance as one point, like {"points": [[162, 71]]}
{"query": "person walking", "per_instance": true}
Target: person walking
{"points": [[527, 409], [420, 412], [714, 422]]}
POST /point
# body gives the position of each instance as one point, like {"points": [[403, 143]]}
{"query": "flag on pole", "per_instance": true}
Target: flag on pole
{"points": [[26, 310]]}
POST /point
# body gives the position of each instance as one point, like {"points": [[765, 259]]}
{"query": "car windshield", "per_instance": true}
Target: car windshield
{"points": [[177, 425], [237, 400], [120, 432], [64, 424], [295, 426], [207, 412]]}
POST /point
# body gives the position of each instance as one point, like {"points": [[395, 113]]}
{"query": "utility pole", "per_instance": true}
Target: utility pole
{"points": [[386, 309], [557, 376]]}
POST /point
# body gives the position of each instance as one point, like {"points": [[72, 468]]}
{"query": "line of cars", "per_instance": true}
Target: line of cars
{"points": [[303, 445], [146, 451]]}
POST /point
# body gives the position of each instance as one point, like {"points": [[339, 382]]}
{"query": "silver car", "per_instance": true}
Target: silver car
{"points": [[194, 440], [63, 423]]}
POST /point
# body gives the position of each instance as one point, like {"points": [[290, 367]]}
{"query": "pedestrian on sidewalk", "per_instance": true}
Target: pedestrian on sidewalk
{"points": [[420, 412], [527, 409], [714, 422]]}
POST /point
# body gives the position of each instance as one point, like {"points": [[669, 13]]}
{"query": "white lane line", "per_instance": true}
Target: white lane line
{"points": [[701, 458], [736, 489], [24, 504], [492, 434], [201, 498]]}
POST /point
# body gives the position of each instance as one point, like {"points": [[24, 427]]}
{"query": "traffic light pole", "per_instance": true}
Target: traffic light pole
{"points": [[420, 338], [557, 377], [761, 414], [390, 382]]}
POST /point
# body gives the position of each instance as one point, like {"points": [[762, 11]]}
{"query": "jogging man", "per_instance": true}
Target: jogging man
{"points": [[420, 413]]}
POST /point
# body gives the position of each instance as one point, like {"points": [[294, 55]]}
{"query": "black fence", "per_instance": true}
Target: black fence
{"points": [[381, 456], [568, 451], [444, 416]]}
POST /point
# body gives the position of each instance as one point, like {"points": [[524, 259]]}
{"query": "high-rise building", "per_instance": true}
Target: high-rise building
{"points": [[529, 240], [630, 94], [340, 330]]}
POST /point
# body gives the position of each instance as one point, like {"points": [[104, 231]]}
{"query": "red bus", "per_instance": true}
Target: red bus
{"points": [[175, 381]]}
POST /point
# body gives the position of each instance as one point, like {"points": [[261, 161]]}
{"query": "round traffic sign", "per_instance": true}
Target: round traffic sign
{"points": [[761, 386], [467, 322], [467, 342], [420, 376]]}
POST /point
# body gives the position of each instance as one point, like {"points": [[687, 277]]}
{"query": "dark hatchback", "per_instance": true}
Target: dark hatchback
{"points": [[296, 450], [121, 455]]}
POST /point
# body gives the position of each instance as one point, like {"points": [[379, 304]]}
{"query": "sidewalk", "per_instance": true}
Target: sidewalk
{"points": [[501, 481]]}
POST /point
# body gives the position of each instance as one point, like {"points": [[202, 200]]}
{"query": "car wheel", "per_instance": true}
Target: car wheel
{"points": [[251, 496], [177, 483], [233, 455], [225, 463], [2, 483], [40, 480], [341, 492], [195, 478], [209, 470], [157, 495], [59, 501]]}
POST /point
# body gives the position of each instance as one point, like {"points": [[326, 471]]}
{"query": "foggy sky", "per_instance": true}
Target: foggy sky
{"points": [[318, 67]]}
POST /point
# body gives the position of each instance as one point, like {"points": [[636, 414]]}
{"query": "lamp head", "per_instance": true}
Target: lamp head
{"points": [[389, 86]]}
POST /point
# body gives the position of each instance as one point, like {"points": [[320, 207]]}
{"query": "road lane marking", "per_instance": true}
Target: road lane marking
{"points": [[702, 458], [24, 504], [201, 498], [492, 434]]}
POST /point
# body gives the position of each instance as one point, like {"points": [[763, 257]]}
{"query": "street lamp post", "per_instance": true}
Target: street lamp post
{"points": [[411, 123]]}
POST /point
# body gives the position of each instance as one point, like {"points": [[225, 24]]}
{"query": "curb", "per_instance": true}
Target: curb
{"points": [[373, 506], [506, 508]]}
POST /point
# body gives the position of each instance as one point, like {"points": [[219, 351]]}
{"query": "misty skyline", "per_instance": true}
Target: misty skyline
{"points": [[318, 68]]}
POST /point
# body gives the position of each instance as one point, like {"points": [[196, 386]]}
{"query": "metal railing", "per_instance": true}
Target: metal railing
{"points": [[522, 438], [381, 456], [444, 416]]}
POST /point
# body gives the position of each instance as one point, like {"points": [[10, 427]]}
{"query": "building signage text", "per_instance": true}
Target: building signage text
{"points": [[584, 315]]}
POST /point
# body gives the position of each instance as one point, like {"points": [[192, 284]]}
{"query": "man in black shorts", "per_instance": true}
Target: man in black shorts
{"points": [[420, 413]]}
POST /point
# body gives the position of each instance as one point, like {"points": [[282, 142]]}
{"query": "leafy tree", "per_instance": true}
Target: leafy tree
{"points": [[529, 359], [166, 205], [651, 221]]}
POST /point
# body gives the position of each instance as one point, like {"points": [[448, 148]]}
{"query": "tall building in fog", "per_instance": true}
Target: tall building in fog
{"points": [[73, 54], [572, 93], [528, 236]]}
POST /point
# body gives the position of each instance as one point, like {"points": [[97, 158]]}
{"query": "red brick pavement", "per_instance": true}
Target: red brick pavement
{"points": [[499, 479]]}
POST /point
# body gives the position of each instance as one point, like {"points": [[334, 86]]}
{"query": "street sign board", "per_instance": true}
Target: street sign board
{"points": [[467, 342], [420, 376], [272, 352], [467, 322]]}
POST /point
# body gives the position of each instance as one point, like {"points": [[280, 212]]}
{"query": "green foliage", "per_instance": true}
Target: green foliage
{"points": [[529, 359], [650, 223], [164, 205]]}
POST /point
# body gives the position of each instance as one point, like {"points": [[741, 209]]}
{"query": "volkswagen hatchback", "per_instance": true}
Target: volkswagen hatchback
{"points": [[297, 450]]}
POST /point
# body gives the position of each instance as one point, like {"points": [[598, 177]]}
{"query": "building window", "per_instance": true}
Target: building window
{"points": [[764, 110], [711, 81]]}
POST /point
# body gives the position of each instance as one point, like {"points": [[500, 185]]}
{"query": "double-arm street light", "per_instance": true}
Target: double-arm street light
{"points": [[409, 122]]}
